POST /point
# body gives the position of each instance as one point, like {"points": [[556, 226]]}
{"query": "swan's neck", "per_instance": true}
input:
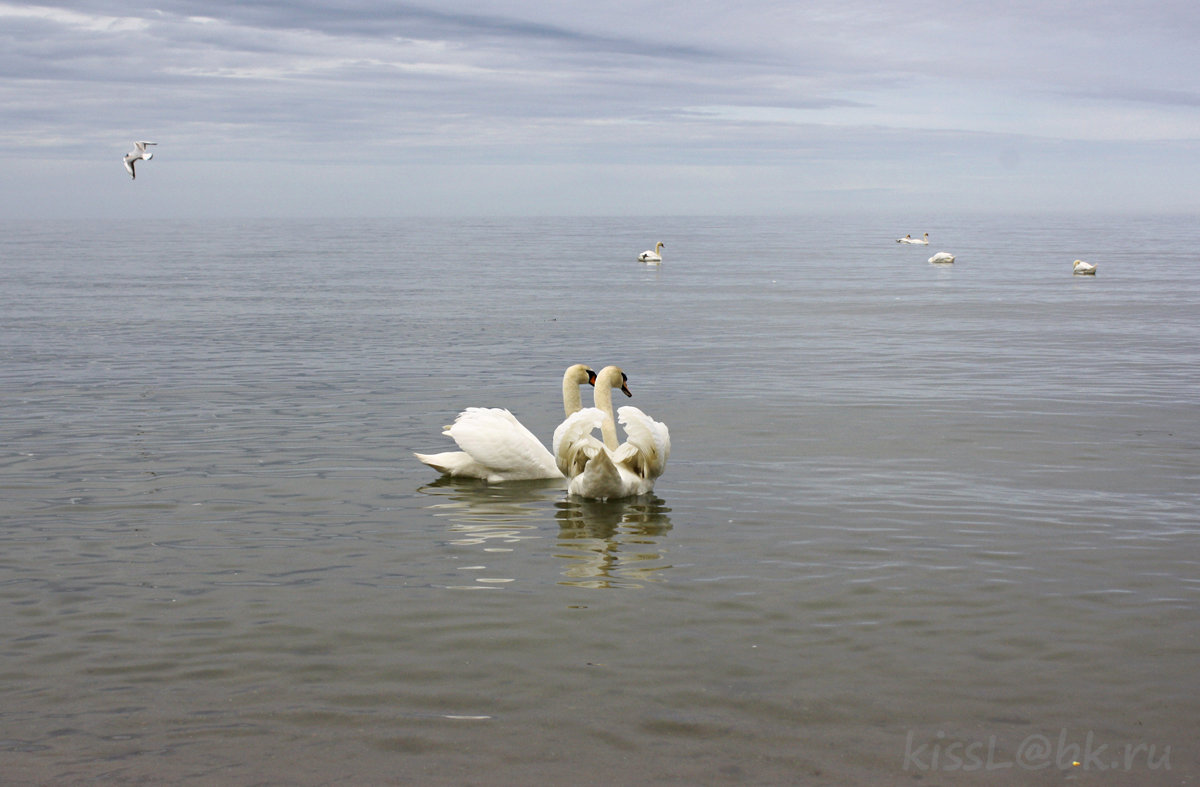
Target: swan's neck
{"points": [[572, 402], [608, 429]]}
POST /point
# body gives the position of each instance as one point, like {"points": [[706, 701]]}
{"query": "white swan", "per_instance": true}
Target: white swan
{"points": [[497, 447], [941, 257], [1084, 268], [910, 239], [139, 153], [652, 256], [604, 470]]}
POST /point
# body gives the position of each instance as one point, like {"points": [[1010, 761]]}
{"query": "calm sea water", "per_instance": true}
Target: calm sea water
{"points": [[921, 524]]}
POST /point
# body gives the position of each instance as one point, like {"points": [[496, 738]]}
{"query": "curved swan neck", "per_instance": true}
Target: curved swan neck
{"points": [[572, 401], [608, 429], [575, 376], [610, 377]]}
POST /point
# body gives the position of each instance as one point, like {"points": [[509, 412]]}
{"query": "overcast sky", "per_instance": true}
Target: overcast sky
{"points": [[603, 107]]}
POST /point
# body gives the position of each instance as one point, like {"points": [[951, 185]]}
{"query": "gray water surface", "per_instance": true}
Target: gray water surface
{"points": [[920, 524]]}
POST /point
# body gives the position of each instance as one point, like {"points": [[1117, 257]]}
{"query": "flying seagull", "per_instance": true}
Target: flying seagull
{"points": [[140, 152]]}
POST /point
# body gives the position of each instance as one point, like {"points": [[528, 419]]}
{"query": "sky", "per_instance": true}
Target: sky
{"points": [[603, 107]]}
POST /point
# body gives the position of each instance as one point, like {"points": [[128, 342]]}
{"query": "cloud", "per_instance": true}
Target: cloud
{"points": [[765, 84]]}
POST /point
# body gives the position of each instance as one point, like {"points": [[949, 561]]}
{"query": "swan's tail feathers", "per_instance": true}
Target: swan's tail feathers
{"points": [[433, 460], [647, 446], [600, 479], [574, 443], [454, 463]]}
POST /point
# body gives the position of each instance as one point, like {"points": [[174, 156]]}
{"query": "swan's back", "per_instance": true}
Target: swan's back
{"points": [[598, 473], [601, 479], [652, 256], [495, 439]]}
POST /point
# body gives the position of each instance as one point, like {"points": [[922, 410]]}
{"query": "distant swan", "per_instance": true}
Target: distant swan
{"points": [[652, 256], [497, 447], [1084, 268], [910, 239], [604, 470], [942, 256], [138, 153]]}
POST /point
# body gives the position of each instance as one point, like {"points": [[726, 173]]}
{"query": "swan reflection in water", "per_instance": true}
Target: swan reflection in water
{"points": [[611, 543], [482, 513]]}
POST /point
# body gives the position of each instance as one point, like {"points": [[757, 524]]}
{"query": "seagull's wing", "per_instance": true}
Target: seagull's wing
{"points": [[129, 166], [142, 145]]}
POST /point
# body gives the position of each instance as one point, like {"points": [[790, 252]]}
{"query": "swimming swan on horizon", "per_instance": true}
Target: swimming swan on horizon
{"points": [[652, 256], [605, 470], [496, 447], [910, 239], [1084, 268], [942, 256], [138, 153]]}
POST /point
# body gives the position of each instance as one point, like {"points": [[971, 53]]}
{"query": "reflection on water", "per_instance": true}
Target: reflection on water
{"points": [[492, 517], [609, 543], [612, 543], [489, 514]]}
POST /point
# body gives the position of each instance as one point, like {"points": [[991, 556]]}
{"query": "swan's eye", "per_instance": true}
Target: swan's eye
{"points": [[624, 377]]}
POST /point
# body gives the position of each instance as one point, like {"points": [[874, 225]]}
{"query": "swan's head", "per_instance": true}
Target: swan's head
{"points": [[613, 377], [659, 245], [579, 374]]}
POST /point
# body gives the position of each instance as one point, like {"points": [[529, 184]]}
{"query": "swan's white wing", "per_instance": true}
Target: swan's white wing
{"points": [[495, 439], [574, 443], [647, 444]]}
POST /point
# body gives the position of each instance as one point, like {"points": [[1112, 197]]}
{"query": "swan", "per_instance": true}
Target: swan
{"points": [[652, 256], [942, 256], [497, 447], [1084, 268], [139, 152], [605, 470], [910, 239]]}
